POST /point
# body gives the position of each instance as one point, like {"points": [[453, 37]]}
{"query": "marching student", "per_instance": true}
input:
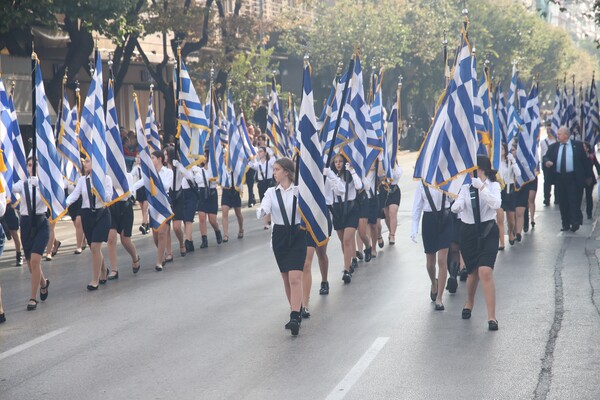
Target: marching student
{"points": [[287, 239], [162, 235], [75, 217], [10, 222], [346, 211], [140, 196], [509, 172], [95, 218], [479, 236], [208, 202], [436, 230], [230, 198], [264, 174], [189, 192], [121, 223], [392, 202], [177, 201], [35, 232]]}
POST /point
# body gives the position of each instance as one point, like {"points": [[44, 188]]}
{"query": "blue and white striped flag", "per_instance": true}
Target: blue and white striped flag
{"points": [[449, 152], [192, 127], [482, 121], [20, 162], [328, 128], [115, 157], [213, 138], [555, 123], [355, 122], [68, 145], [49, 173], [593, 126], [248, 148], [311, 186], [237, 158], [94, 130], [391, 141], [6, 142], [375, 141], [275, 129], [158, 201], [502, 112], [151, 127], [532, 122]]}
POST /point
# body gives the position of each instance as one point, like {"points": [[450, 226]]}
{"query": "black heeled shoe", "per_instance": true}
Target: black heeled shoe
{"points": [[2, 318], [31, 307], [518, 237], [466, 313], [439, 307], [139, 265], [347, 277], [113, 277], [324, 288], [359, 255], [44, 296], [368, 254], [493, 325], [92, 287]]}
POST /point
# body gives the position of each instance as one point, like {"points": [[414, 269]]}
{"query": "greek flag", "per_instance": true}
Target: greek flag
{"points": [[245, 137], [375, 141], [275, 131], [49, 173], [515, 122], [237, 158], [20, 163], [192, 127], [311, 200], [94, 130], [593, 127], [527, 141], [325, 117], [213, 138], [482, 121], [114, 150], [158, 201], [6, 142], [391, 141], [328, 128], [555, 123], [67, 145], [502, 112], [488, 130], [450, 149], [355, 123], [151, 127]]}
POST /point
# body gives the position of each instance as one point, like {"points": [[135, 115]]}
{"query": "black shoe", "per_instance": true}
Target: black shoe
{"points": [[546, 202], [532, 225], [92, 287], [353, 265], [439, 307], [575, 228], [44, 296], [518, 237], [189, 246], [347, 277], [31, 307], [380, 242], [159, 268], [219, 237], [143, 229], [452, 284], [466, 313], [2, 318], [493, 325], [500, 248], [55, 251], [511, 242], [368, 254], [139, 265], [525, 228], [324, 288], [432, 295], [359, 255], [113, 277], [204, 242], [304, 312], [294, 324], [565, 228], [19, 259], [463, 275]]}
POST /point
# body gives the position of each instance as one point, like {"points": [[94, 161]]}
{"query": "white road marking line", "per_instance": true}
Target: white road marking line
{"points": [[31, 343], [340, 391]]}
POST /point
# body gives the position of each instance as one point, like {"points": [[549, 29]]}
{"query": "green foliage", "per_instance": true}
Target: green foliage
{"points": [[25, 13]]}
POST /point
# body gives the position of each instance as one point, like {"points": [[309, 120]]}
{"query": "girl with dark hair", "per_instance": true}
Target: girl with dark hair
{"points": [[208, 202], [95, 219], [162, 235], [479, 236], [176, 196], [264, 174], [34, 235], [346, 211], [287, 239]]}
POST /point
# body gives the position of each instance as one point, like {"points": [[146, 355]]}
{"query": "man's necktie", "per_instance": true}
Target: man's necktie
{"points": [[563, 159]]}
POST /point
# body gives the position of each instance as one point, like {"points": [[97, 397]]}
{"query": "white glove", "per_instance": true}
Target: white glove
{"points": [[349, 168], [477, 183], [329, 173], [34, 181], [295, 190], [176, 163], [413, 237], [510, 157], [260, 213]]}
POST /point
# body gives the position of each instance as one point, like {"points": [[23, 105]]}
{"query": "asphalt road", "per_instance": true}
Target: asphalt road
{"points": [[210, 326]]}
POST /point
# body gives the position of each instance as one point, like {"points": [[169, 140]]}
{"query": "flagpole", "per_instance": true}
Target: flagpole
{"points": [[340, 111], [399, 117], [34, 62]]}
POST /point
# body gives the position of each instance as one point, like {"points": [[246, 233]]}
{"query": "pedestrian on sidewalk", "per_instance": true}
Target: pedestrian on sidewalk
{"points": [[479, 236], [287, 239]]}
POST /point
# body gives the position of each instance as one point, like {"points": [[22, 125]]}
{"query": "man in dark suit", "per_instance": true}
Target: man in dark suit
{"points": [[566, 159]]}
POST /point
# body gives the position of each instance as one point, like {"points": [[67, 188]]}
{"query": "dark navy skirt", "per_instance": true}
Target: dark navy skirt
{"points": [[11, 218], [475, 256], [190, 204], [121, 217], [208, 202], [289, 247], [231, 198], [96, 224], [347, 220], [36, 240], [435, 239]]}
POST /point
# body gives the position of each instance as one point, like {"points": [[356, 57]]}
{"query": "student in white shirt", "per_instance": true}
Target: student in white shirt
{"points": [[263, 165], [208, 202], [287, 240], [140, 196], [35, 232], [479, 242], [162, 235], [95, 219]]}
